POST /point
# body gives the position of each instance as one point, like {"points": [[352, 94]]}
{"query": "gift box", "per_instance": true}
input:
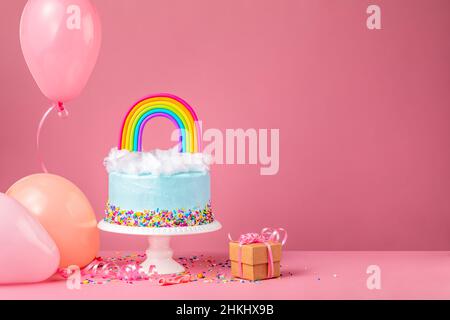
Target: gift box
{"points": [[255, 261]]}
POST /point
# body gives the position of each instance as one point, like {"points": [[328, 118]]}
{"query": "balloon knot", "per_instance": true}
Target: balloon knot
{"points": [[62, 112], [60, 106]]}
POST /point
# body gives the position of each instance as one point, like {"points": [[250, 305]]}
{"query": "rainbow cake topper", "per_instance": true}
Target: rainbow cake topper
{"points": [[161, 105]]}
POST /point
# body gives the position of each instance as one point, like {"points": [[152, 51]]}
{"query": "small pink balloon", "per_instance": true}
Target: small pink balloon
{"points": [[27, 253], [60, 41]]}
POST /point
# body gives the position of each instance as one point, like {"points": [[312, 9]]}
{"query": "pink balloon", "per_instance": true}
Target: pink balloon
{"points": [[27, 252], [60, 41]]}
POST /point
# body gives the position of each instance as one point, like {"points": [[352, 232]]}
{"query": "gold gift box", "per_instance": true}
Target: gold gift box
{"points": [[255, 260]]}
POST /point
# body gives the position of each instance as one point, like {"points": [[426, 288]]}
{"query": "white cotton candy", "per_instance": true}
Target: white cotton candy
{"points": [[157, 162]]}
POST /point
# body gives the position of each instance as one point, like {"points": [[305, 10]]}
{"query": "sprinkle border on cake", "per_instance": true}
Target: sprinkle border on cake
{"points": [[159, 218]]}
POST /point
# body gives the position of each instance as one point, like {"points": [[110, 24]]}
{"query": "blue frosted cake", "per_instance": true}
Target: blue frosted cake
{"points": [[178, 200], [159, 189]]}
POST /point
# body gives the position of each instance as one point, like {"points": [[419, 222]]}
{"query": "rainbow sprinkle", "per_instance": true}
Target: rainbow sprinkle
{"points": [[159, 218]]}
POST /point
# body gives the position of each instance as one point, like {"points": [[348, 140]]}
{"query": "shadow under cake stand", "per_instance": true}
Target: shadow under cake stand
{"points": [[159, 253]]}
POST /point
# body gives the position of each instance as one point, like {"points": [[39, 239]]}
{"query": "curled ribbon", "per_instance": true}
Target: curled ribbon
{"points": [[112, 271], [128, 272], [265, 236], [174, 280]]}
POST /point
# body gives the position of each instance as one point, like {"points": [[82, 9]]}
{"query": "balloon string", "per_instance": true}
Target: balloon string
{"points": [[38, 136], [62, 114]]}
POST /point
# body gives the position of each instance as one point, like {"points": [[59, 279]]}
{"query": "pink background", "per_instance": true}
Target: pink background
{"points": [[363, 115]]}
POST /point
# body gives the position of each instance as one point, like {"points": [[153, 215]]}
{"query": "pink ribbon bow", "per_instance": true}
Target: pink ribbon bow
{"points": [[267, 235]]}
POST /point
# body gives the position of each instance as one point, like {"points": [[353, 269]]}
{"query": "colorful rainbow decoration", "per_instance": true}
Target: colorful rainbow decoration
{"points": [[161, 105]]}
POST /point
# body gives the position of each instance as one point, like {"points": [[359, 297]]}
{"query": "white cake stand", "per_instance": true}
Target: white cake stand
{"points": [[159, 253]]}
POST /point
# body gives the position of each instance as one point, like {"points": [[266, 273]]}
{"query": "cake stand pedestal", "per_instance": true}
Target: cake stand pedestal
{"points": [[159, 253]]}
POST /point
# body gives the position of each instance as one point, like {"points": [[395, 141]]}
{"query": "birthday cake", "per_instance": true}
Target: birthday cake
{"points": [[160, 188]]}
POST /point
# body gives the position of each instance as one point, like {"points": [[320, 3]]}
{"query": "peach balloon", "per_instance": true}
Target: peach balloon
{"points": [[65, 212]]}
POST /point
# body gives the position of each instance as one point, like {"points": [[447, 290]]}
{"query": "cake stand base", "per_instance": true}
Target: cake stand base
{"points": [[159, 255]]}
